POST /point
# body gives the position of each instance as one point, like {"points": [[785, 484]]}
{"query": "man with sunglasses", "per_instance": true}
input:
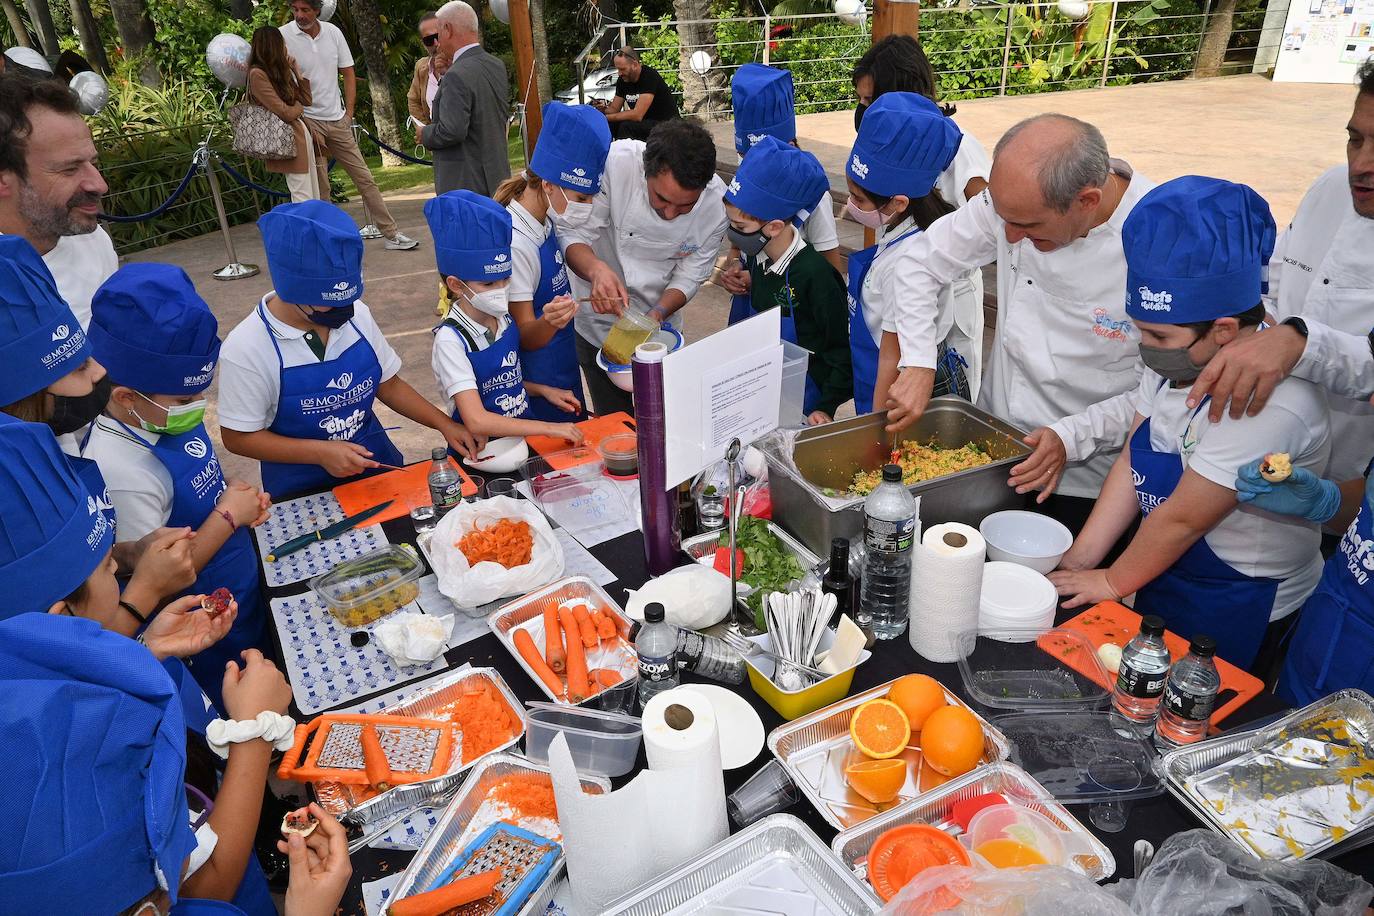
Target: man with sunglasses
{"points": [[424, 85]]}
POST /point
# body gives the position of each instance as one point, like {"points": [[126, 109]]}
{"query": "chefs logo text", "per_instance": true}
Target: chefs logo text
{"points": [[345, 428], [1153, 301], [1358, 552]]}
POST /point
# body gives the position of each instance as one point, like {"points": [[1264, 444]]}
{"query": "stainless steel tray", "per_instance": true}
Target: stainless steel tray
{"points": [[777, 842], [447, 840], [1188, 768], [814, 747], [704, 545], [1006, 779], [525, 613]]}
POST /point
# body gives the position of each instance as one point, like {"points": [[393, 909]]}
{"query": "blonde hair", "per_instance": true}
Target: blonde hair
{"points": [[514, 186]]}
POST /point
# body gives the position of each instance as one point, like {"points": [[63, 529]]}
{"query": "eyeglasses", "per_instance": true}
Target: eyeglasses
{"points": [[430, 41]]}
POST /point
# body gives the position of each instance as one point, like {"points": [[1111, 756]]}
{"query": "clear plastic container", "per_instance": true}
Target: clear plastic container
{"points": [[1032, 669], [603, 743], [634, 327], [1001, 824], [571, 487], [365, 590], [1082, 757], [794, 362], [620, 454]]}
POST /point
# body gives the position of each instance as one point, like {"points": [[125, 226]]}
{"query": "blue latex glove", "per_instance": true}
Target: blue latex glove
{"points": [[1303, 494]]}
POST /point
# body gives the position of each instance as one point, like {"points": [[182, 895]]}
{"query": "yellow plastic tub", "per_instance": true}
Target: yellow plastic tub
{"points": [[794, 704]]}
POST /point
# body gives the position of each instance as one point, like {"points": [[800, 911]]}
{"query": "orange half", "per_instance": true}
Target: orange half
{"points": [[880, 729], [879, 781]]}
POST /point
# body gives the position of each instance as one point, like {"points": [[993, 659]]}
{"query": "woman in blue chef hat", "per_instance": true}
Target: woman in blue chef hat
{"points": [[159, 344], [1208, 564], [477, 346], [300, 376], [557, 189]]}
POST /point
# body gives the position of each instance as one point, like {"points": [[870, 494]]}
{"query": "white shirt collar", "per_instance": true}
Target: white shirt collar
{"points": [[527, 224], [125, 431], [780, 265], [475, 329], [463, 50], [889, 236]]}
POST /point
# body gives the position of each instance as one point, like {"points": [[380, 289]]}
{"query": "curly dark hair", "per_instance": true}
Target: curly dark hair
{"points": [[898, 63], [683, 147], [1365, 76], [17, 95]]}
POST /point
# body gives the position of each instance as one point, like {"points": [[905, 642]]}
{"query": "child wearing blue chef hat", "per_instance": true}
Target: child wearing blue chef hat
{"points": [[477, 346], [557, 189], [1208, 564], [764, 202], [300, 376], [159, 344]]}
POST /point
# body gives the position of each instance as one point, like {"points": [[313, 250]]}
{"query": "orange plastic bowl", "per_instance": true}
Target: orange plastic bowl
{"points": [[903, 852]]}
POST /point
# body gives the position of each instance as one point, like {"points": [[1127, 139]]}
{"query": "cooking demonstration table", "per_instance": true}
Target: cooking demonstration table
{"points": [[1151, 819]]}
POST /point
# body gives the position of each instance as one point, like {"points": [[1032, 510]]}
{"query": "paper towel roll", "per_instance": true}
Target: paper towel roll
{"points": [[681, 737], [946, 586]]}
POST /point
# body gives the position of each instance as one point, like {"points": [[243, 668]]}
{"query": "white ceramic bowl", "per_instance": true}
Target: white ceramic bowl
{"points": [[1026, 538], [622, 377], [501, 455]]}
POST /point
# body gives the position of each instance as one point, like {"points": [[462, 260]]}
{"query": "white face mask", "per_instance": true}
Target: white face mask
{"points": [[490, 302], [574, 213]]}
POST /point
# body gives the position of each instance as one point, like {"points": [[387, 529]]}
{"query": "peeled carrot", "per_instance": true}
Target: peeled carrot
{"points": [[607, 677], [579, 685], [374, 759], [586, 627], [450, 896], [553, 642], [524, 643], [605, 625]]}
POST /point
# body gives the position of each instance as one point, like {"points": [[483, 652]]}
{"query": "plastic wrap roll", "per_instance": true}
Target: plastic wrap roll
{"points": [[657, 505]]}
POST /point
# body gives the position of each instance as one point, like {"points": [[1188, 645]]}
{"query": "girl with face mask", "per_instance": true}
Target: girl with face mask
{"points": [[476, 358]]}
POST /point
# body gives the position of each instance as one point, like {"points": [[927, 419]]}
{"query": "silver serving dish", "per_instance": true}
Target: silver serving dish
{"points": [[828, 456], [779, 842], [446, 841], [703, 547], [1210, 775], [814, 748], [1006, 779]]}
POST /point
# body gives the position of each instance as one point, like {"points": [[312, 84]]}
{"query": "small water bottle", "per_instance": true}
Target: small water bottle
{"points": [[1144, 669], [656, 645], [839, 582], [889, 532], [709, 656], [1190, 692], [445, 483]]}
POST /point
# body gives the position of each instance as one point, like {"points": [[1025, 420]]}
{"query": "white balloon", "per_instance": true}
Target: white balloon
{"points": [[501, 10], [28, 57], [92, 92], [227, 55], [851, 12], [1074, 9], [327, 9], [700, 62]]}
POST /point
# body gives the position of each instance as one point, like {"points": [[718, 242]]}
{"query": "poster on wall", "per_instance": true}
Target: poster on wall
{"points": [[1324, 41]]}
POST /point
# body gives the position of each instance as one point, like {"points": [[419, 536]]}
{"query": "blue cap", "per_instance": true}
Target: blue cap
{"points": [[152, 332], [53, 533], [764, 104], [1195, 250], [40, 338], [471, 236], [94, 797], [776, 180], [904, 143], [314, 253], [572, 147]]}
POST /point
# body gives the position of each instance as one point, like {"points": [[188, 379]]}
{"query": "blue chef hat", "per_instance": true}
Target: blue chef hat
{"points": [[152, 332], [94, 799], [1196, 250], [471, 236], [53, 533], [764, 105], [314, 253], [776, 180], [904, 143], [572, 147], [40, 338]]}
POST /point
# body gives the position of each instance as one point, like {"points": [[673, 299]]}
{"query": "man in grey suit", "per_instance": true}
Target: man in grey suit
{"points": [[468, 132]]}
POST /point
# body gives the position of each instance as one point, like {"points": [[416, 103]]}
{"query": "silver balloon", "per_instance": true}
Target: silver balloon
{"points": [[850, 12], [227, 55], [501, 10], [328, 8], [28, 57], [92, 92]]}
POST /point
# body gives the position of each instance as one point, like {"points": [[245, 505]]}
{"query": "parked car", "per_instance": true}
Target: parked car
{"points": [[598, 86]]}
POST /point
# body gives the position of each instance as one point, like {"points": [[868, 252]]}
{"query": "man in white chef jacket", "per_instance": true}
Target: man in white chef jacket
{"points": [[1051, 220], [650, 236]]}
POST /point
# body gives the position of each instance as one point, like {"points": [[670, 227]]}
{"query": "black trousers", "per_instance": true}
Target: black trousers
{"points": [[605, 397]]}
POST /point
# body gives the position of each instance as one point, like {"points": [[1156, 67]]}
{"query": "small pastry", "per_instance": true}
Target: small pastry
{"points": [[217, 602], [1276, 467], [300, 822]]}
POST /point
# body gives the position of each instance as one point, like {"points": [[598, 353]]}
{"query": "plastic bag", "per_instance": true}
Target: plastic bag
{"points": [[693, 596], [1043, 890], [1198, 873], [471, 586], [414, 639]]}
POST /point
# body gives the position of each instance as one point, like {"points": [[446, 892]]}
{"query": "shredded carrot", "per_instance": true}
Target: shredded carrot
{"points": [[529, 794], [509, 543], [485, 720]]}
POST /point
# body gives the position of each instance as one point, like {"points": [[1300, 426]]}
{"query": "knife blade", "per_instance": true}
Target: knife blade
{"points": [[327, 532]]}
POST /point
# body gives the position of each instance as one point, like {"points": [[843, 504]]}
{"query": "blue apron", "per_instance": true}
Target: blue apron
{"points": [[500, 383], [89, 474], [863, 352], [555, 363], [742, 304], [326, 400], [1199, 594], [188, 907]]}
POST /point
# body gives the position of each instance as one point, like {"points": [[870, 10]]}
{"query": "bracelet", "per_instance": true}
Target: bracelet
{"points": [[274, 728], [138, 615], [224, 514]]}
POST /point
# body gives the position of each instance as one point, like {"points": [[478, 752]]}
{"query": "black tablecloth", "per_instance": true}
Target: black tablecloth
{"points": [[1151, 819]]}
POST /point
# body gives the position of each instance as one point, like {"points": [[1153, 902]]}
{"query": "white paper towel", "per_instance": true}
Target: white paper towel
{"points": [[947, 583], [665, 816]]}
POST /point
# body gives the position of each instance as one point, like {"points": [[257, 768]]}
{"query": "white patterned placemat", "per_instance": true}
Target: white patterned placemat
{"points": [[579, 561], [296, 517]]}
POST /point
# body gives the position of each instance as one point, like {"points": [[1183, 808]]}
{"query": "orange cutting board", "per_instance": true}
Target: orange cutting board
{"points": [[593, 431], [405, 487], [1116, 623]]}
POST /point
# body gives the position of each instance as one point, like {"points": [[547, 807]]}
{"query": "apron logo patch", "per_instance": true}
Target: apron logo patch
{"points": [[1358, 553], [1109, 328], [1137, 478], [342, 382], [61, 333], [196, 448], [508, 360]]}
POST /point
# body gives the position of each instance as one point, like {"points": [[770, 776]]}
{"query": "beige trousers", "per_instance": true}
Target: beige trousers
{"points": [[340, 145]]}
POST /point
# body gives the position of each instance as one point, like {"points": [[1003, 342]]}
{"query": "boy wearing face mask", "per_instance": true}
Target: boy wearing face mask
{"points": [[774, 184], [477, 347], [1203, 560]]}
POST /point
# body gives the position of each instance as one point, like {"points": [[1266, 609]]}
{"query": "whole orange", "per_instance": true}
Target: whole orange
{"points": [[918, 695], [952, 740]]}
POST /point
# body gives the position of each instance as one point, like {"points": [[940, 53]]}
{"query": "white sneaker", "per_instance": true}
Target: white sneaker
{"points": [[401, 242]]}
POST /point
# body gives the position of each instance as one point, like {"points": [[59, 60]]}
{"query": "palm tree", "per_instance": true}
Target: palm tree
{"points": [[41, 17], [1212, 55], [21, 34], [137, 34], [540, 35], [367, 23], [699, 95], [89, 33]]}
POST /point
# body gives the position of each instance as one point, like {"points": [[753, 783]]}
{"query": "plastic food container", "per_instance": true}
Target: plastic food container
{"points": [[795, 359], [791, 704], [634, 327], [604, 743], [1025, 538], [369, 588], [1018, 825], [1082, 757], [621, 375], [620, 454], [1032, 669], [1015, 597]]}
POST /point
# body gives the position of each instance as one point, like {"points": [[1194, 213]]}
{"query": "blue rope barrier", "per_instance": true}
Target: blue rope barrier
{"points": [[166, 204], [393, 150], [249, 183]]}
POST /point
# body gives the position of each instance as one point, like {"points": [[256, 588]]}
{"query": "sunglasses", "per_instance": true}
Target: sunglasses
{"points": [[430, 40]]}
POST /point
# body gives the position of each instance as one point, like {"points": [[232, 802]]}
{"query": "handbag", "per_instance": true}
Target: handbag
{"points": [[259, 134]]}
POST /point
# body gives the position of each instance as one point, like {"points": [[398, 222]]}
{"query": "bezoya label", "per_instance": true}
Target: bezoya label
{"points": [[655, 668]]}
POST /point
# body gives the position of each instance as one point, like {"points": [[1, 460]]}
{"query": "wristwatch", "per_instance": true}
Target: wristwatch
{"points": [[1299, 325]]}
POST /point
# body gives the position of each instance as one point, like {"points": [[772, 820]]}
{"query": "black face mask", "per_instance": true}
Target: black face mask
{"points": [[333, 319], [859, 115], [749, 243], [71, 414]]}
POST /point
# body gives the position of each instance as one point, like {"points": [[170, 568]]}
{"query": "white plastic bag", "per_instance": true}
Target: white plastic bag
{"points": [[1041, 890], [414, 639], [473, 586], [692, 596]]}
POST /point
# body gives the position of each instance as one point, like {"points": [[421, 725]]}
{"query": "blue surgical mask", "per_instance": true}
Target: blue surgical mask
{"points": [[333, 318]]}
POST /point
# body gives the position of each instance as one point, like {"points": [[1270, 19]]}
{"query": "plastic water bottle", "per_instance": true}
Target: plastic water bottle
{"points": [[445, 484], [709, 656], [656, 645], [889, 531], [1189, 695], [1144, 669]]}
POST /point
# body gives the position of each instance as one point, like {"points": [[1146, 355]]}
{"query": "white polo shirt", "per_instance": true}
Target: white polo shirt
{"points": [[525, 270], [139, 485], [452, 368], [80, 264], [320, 59], [250, 376]]}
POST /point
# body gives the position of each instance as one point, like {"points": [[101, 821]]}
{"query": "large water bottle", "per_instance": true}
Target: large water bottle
{"points": [[445, 483], [656, 645], [889, 532], [1189, 695], [710, 657], [1144, 669]]}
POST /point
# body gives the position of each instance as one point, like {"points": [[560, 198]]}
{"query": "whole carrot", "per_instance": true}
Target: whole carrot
{"points": [[450, 896], [586, 627], [605, 625], [524, 644], [579, 685], [553, 641], [374, 759]]}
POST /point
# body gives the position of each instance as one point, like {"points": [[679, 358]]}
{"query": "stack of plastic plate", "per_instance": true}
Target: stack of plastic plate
{"points": [[1016, 597]]}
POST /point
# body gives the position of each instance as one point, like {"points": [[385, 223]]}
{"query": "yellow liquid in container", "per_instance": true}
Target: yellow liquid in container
{"points": [[1004, 853], [631, 329]]}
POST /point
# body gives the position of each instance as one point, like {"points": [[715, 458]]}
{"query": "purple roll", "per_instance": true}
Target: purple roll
{"points": [[657, 504]]}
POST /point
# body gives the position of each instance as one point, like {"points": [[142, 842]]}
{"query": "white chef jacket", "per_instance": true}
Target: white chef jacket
{"points": [[80, 264], [649, 253], [966, 293], [1323, 270], [320, 59]]}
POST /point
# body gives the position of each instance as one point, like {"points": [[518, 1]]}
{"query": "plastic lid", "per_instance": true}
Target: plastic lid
{"points": [[892, 473], [1203, 646], [586, 719], [653, 612], [439, 453], [1152, 625], [1082, 756], [1032, 669]]}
